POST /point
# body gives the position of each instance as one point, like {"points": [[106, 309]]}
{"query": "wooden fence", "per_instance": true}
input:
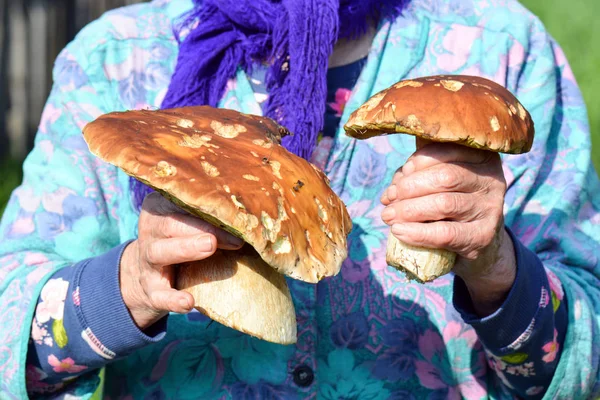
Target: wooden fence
{"points": [[32, 33]]}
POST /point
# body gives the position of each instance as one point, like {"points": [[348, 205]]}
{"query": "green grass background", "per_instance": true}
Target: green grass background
{"points": [[572, 23]]}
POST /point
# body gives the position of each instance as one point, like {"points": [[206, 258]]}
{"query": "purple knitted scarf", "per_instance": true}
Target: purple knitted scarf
{"points": [[294, 37]]}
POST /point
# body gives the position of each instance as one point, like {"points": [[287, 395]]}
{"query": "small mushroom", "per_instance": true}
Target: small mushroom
{"points": [[466, 110], [246, 289]]}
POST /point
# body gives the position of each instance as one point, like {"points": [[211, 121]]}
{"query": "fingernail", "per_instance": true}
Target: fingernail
{"points": [[397, 229], [392, 193], [388, 214], [184, 303], [205, 243], [408, 168]]}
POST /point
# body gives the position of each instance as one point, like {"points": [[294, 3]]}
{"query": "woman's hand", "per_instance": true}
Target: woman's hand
{"points": [[452, 197], [166, 236]]}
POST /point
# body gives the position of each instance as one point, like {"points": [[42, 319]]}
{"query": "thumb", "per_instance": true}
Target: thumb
{"points": [[158, 204], [172, 300]]}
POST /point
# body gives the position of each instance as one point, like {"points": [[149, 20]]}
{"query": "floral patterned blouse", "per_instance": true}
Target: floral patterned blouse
{"points": [[366, 333]]}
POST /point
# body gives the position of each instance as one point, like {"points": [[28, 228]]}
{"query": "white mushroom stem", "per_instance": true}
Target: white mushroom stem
{"points": [[239, 290], [419, 263]]}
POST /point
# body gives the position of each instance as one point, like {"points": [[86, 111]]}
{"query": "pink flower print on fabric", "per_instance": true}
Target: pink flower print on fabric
{"points": [[34, 259], [551, 349], [50, 115], [47, 148], [355, 268], [555, 284], [28, 201], [457, 45], [65, 365], [53, 298], [556, 289], [53, 202], [438, 373], [38, 273], [22, 226], [341, 98]]}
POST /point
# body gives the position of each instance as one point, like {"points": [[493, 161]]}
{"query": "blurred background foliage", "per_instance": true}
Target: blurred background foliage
{"points": [[39, 29]]}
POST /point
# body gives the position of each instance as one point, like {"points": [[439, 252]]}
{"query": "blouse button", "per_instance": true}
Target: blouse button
{"points": [[303, 376]]}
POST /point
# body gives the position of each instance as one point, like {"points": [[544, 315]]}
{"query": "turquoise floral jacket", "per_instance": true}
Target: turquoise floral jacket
{"points": [[367, 333]]}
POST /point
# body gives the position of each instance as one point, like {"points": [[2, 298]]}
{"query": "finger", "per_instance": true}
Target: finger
{"points": [[162, 252], [389, 195], [439, 178], [175, 222], [182, 225], [441, 153], [171, 300], [435, 207], [433, 235], [466, 239], [156, 204], [391, 192], [437, 154], [226, 241]]}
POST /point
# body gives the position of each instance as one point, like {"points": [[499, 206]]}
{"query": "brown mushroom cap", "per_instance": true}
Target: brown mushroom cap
{"points": [[229, 169], [468, 110]]}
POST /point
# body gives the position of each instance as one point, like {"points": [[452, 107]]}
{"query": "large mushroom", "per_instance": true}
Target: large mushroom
{"points": [[229, 169], [467, 110]]}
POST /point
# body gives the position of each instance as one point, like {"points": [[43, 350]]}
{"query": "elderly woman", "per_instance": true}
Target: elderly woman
{"points": [[87, 303]]}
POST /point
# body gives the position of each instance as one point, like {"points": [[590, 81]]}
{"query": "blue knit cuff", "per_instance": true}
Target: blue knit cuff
{"points": [[514, 317], [107, 325]]}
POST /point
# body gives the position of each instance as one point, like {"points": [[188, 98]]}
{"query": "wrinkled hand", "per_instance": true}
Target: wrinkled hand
{"points": [[166, 236], [452, 197]]}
